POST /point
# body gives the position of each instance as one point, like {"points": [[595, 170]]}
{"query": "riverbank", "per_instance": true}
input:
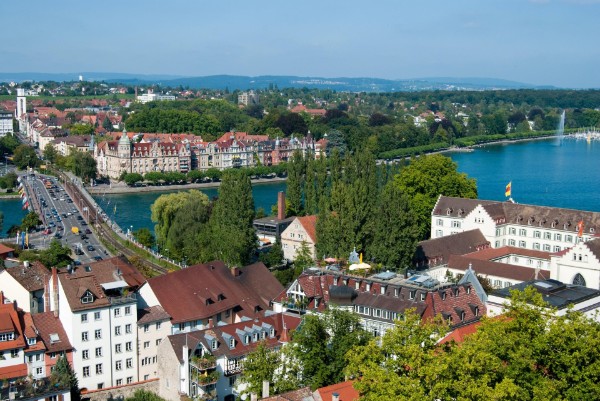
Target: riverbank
{"points": [[500, 142], [122, 188]]}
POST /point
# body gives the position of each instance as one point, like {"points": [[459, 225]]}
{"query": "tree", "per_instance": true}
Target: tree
{"points": [[303, 259], [321, 343], [64, 375], [84, 165], [395, 231], [528, 353], [310, 189], [31, 220], [50, 153], [24, 156], [144, 236], [144, 395], [295, 182], [270, 365], [81, 129], [106, 124], [56, 255], [132, 178], [428, 177], [274, 256]]}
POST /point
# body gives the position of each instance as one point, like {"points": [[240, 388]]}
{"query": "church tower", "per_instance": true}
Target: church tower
{"points": [[21, 108], [124, 152]]}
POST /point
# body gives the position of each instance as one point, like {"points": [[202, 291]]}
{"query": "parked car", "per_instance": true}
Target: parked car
{"points": [[88, 231], [91, 248], [97, 257]]}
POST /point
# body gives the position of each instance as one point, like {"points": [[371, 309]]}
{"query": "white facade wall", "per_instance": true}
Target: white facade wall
{"points": [[578, 260], [14, 291], [149, 338], [36, 365], [292, 238], [11, 359]]}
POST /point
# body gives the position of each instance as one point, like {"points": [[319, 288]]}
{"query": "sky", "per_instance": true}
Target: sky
{"points": [[541, 42]]}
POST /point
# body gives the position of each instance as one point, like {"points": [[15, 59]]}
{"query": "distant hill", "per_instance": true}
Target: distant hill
{"points": [[233, 82]]}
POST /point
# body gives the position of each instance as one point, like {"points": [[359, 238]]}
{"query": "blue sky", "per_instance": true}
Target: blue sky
{"points": [[543, 42]]}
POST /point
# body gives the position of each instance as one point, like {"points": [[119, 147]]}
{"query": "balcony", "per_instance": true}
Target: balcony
{"points": [[206, 379], [204, 363], [123, 299], [28, 388]]}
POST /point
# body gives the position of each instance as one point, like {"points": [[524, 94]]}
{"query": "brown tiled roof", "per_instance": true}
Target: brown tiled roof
{"points": [[5, 249], [152, 314], [302, 394], [48, 324], [76, 285], [454, 300], [11, 322], [457, 207], [458, 335], [495, 253], [594, 247], [117, 268], [13, 371], [310, 226], [32, 277], [203, 290], [489, 268], [223, 333], [436, 251]]}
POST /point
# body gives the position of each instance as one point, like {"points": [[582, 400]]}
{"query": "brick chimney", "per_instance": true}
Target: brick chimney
{"points": [[281, 205], [1, 297], [235, 271], [210, 323]]}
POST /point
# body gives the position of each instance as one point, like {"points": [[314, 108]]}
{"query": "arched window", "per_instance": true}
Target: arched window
{"points": [[579, 280]]}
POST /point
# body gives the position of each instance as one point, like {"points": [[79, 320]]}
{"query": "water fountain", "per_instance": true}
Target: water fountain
{"points": [[560, 131]]}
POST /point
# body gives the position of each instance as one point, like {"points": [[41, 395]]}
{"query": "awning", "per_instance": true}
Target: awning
{"points": [[114, 284]]}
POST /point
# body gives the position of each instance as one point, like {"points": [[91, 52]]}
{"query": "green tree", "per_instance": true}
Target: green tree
{"points": [[428, 177], [64, 375], [310, 187], [132, 178], [107, 125], [24, 156], [81, 129], [144, 236], [31, 220], [274, 256], [84, 165], [395, 232], [56, 255], [295, 182], [50, 153], [144, 395], [303, 259]]}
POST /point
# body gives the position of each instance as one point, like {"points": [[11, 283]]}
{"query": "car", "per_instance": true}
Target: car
{"points": [[51, 224], [88, 231], [57, 235], [83, 223], [97, 258], [79, 218], [69, 201], [46, 231], [59, 228], [77, 262], [61, 199], [83, 236], [69, 213], [91, 248], [58, 218], [78, 251]]}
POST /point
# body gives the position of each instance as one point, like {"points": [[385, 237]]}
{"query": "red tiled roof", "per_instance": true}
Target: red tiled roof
{"points": [[10, 322], [302, 394], [46, 324], [458, 335], [451, 302], [497, 269], [345, 390], [310, 226], [4, 249], [495, 253], [13, 371]]}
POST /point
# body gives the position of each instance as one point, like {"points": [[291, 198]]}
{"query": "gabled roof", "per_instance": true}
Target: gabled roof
{"points": [[496, 253], [498, 269], [345, 391], [152, 314], [310, 226], [10, 322], [436, 251], [203, 290], [52, 332], [31, 277]]}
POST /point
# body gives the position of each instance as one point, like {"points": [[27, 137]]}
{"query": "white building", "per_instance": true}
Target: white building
{"points": [[578, 265], [6, 122], [152, 97], [97, 307], [511, 224], [302, 229], [153, 327]]}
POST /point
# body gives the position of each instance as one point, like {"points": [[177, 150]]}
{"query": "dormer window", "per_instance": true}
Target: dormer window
{"points": [[213, 345], [232, 343], [246, 339], [272, 332], [448, 211], [368, 287], [7, 336], [31, 341], [255, 337], [456, 292], [423, 296], [382, 290], [592, 230], [263, 335], [87, 297]]}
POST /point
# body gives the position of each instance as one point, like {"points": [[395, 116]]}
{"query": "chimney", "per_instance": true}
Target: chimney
{"points": [[1, 297], [210, 323], [47, 293], [235, 271], [335, 397], [253, 397], [55, 291], [265, 389], [281, 205]]}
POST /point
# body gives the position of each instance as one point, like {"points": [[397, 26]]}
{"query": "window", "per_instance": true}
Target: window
{"points": [[85, 354], [117, 330], [497, 232], [146, 377], [129, 363], [84, 336], [455, 223], [511, 242], [128, 328], [232, 380], [98, 334], [117, 348], [84, 318], [120, 382], [158, 325], [86, 371], [147, 327], [497, 245], [579, 280], [522, 244], [158, 341], [130, 380], [31, 341], [547, 235], [411, 294], [512, 231], [443, 295], [100, 386], [523, 232], [439, 233], [568, 238], [537, 234], [146, 344], [128, 310], [557, 237], [118, 365], [96, 315], [546, 247], [87, 297], [117, 312], [7, 337], [556, 248], [536, 245], [38, 371], [128, 346], [497, 283], [368, 287], [99, 351], [423, 296], [98, 368]]}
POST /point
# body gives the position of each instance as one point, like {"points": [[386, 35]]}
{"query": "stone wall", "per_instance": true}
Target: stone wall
{"points": [[119, 393]]}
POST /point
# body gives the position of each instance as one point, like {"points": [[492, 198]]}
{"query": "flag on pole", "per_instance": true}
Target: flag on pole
{"points": [[27, 239], [508, 190], [580, 228]]}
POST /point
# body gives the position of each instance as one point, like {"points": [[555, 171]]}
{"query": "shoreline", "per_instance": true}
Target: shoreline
{"points": [[500, 142], [122, 188]]}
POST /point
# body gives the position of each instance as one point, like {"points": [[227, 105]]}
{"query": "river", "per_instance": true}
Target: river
{"points": [[543, 172]]}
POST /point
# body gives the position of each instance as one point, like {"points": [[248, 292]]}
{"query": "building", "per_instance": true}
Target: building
{"points": [[6, 122], [153, 326], [13, 341], [301, 230], [210, 362], [116, 157], [97, 305], [269, 229], [152, 97], [380, 299], [248, 98], [511, 224], [578, 265], [25, 284], [556, 294], [199, 297]]}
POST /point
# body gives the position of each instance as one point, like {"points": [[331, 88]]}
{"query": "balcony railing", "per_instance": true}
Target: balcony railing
{"points": [[30, 388], [206, 379], [204, 363], [123, 299]]}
